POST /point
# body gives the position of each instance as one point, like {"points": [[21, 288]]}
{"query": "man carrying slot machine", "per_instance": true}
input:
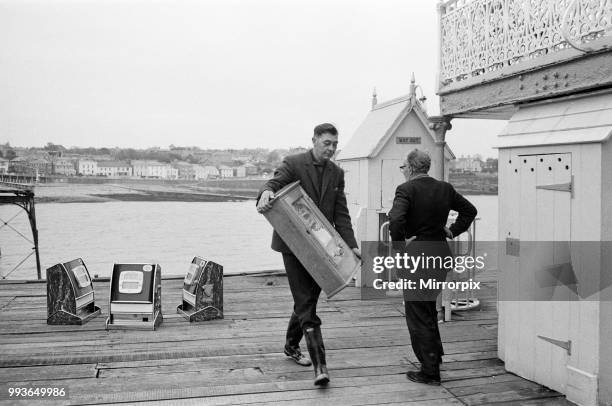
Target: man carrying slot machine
{"points": [[323, 181]]}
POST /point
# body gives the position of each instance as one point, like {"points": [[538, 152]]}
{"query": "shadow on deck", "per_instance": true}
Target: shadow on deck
{"points": [[239, 360]]}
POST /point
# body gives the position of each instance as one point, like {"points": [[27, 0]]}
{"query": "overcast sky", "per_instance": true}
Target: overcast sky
{"points": [[213, 74]]}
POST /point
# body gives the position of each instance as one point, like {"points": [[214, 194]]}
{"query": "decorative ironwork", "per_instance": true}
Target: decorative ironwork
{"points": [[23, 198], [480, 36]]}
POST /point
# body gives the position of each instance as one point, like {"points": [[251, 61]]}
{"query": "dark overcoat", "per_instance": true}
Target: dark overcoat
{"points": [[328, 196]]}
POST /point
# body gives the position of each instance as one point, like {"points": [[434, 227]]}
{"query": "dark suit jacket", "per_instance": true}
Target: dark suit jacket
{"points": [[329, 197], [421, 208]]}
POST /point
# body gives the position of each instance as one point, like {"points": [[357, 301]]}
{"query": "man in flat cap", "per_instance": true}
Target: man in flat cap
{"points": [[419, 214]]}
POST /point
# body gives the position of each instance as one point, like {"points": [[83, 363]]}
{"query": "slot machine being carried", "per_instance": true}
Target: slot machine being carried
{"points": [[135, 297], [202, 291], [70, 294], [312, 238]]}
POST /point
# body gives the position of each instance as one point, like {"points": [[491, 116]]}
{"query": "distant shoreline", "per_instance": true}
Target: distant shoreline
{"points": [[470, 192], [137, 192], [101, 198], [222, 190]]}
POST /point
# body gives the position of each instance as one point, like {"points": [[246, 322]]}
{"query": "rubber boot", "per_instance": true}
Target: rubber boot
{"points": [[292, 342], [316, 349]]}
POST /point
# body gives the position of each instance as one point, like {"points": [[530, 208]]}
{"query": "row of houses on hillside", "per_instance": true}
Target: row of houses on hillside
{"points": [[4, 165], [146, 169], [149, 169], [473, 164]]}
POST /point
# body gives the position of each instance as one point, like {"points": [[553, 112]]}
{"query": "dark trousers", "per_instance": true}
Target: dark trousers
{"points": [[420, 305], [305, 293], [422, 321]]}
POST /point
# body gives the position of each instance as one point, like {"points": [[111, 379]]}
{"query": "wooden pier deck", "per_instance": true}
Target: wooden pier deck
{"points": [[239, 360]]}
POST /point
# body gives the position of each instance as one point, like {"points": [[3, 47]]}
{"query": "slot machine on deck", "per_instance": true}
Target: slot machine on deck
{"points": [[135, 297], [202, 291], [70, 294]]}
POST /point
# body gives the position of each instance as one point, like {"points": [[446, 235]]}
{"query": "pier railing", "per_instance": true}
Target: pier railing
{"points": [[493, 38], [24, 198], [19, 180]]}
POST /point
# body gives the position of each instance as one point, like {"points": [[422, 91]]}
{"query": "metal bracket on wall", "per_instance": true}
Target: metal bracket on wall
{"points": [[560, 187], [513, 247], [566, 345]]}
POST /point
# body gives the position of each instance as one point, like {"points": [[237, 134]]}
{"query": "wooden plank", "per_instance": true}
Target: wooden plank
{"points": [[279, 367], [41, 373], [265, 341], [239, 360], [561, 308], [25, 327], [271, 362], [481, 381], [546, 219], [311, 393], [278, 364], [271, 365], [518, 396], [155, 351], [323, 398], [449, 333], [496, 387], [552, 401], [91, 391]]}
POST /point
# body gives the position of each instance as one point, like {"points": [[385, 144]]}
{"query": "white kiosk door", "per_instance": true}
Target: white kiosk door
{"points": [[546, 193]]}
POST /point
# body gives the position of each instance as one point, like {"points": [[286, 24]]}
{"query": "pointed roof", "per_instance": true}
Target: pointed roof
{"points": [[381, 123]]}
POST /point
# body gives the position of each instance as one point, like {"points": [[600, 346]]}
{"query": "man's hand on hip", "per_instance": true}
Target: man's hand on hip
{"points": [[265, 201]]}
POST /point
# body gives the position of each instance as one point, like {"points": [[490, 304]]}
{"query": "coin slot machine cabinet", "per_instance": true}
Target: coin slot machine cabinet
{"points": [[202, 291], [70, 294], [313, 240], [135, 297]]}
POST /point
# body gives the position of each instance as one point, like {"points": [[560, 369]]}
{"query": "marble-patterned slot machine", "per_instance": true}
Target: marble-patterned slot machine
{"points": [[70, 294], [135, 297], [202, 291]]}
